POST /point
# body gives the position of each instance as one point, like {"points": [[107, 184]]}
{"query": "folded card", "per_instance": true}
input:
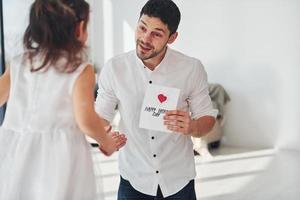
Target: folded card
{"points": [[158, 99]]}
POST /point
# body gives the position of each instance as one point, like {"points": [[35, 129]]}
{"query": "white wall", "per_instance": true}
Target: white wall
{"points": [[15, 21], [251, 47], [112, 27]]}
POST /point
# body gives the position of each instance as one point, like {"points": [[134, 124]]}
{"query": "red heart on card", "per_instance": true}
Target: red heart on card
{"points": [[162, 98]]}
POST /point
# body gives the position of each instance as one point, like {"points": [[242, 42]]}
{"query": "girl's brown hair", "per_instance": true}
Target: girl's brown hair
{"points": [[51, 33]]}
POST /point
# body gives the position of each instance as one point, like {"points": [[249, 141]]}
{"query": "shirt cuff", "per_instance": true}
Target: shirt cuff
{"points": [[213, 113]]}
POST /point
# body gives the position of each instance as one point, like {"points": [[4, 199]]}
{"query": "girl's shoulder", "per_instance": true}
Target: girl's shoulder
{"points": [[17, 58], [16, 61]]}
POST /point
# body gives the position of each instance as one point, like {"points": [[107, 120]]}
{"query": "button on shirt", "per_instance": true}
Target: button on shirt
{"points": [[151, 158]]}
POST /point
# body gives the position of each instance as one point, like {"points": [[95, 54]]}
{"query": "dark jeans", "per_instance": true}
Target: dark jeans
{"points": [[127, 192]]}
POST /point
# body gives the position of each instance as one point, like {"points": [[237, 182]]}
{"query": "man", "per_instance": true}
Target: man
{"points": [[154, 164]]}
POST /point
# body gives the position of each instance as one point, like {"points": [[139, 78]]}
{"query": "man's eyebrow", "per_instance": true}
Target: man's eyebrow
{"points": [[143, 22], [159, 29]]}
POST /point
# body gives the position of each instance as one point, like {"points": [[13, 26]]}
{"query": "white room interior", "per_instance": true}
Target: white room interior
{"points": [[251, 48]]}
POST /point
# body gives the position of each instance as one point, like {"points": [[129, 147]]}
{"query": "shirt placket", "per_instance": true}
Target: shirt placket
{"points": [[153, 137], [154, 154]]}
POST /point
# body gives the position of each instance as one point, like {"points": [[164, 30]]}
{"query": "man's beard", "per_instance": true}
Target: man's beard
{"points": [[153, 53]]}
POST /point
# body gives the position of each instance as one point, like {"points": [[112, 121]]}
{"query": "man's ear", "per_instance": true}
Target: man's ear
{"points": [[172, 38], [80, 30]]}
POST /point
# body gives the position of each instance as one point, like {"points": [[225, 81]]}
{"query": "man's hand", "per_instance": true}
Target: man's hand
{"points": [[178, 121]]}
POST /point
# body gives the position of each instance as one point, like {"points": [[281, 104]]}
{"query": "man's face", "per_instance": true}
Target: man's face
{"points": [[151, 36]]}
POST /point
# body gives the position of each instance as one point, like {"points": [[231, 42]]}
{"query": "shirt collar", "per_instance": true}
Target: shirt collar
{"points": [[167, 55]]}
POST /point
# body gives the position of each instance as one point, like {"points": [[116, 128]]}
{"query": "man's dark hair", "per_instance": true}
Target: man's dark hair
{"points": [[166, 10]]}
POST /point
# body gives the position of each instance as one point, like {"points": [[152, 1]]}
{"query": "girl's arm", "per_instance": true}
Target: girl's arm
{"points": [[4, 86], [86, 117]]}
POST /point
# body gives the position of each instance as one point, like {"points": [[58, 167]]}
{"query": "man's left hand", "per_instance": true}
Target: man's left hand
{"points": [[178, 121]]}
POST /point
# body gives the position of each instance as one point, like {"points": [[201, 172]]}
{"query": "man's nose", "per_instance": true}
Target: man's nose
{"points": [[147, 38]]}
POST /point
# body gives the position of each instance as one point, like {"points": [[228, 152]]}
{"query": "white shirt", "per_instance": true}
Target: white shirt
{"points": [[152, 158]]}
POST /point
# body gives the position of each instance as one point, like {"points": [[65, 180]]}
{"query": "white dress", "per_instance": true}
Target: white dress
{"points": [[43, 154]]}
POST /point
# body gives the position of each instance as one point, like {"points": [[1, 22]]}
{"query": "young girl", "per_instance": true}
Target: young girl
{"points": [[43, 153]]}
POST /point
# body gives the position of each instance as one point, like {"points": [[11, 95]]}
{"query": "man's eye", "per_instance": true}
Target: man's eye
{"points": [[143, 28]]}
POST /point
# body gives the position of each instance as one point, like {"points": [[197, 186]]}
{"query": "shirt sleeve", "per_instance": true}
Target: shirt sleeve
{"points": [[199, 100], [106, 100]]}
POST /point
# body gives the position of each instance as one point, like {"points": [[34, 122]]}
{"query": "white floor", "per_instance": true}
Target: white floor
{"points": [[232, 174]]}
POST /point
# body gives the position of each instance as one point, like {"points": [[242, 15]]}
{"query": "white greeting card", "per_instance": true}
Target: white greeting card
{"points": [[158, 100]]}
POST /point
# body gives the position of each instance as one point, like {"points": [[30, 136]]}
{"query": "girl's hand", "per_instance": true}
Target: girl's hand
{"points": [[113, 142]]}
